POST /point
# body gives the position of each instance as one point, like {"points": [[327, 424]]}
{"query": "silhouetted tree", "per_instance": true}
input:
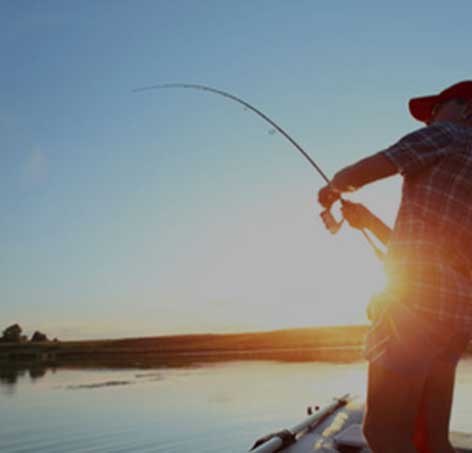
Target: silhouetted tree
{"points": [[39, 336], [12, 334]]}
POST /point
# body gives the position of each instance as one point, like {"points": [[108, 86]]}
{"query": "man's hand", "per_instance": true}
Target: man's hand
{"points": [[356, 214], [330, 193], [327, 196]]}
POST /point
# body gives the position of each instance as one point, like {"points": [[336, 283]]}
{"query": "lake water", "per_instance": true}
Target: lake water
{"points": [[211, 407]]}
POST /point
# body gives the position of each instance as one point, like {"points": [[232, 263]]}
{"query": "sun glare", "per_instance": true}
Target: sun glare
{"points": [[354, 275]]}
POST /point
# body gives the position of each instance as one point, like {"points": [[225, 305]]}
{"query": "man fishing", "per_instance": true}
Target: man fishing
{"points": [[422, 321]]}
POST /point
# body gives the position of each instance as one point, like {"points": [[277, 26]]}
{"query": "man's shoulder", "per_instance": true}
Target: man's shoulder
{"points": [[456, 130]]}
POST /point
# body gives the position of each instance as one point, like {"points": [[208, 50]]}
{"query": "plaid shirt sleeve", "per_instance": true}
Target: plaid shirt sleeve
{"points": [[421, 149]]}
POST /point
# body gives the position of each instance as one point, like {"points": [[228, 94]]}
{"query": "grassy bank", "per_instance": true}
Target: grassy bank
{"points": [[290, 342], [341, 343]]}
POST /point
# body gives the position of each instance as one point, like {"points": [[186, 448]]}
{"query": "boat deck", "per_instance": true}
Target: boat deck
{"points": [[341, 432]]}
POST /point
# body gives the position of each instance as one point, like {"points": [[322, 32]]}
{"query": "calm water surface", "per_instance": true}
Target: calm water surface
{"points": [[209, 408]]}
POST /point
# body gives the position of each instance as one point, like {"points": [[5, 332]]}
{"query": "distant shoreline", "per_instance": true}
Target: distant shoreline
{"points": [[338, 343], [316, 341]]}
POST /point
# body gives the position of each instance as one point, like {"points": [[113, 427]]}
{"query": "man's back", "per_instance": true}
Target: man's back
{"points": [[430, 251]]}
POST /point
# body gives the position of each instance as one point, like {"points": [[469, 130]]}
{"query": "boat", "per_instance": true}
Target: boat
{"points": [[331, 429]]}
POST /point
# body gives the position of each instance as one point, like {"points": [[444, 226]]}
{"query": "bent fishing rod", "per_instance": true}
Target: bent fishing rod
{"points": [[326, 215]]}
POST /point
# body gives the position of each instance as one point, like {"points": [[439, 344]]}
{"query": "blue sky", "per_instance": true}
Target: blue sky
{"points": [[129, 214]]}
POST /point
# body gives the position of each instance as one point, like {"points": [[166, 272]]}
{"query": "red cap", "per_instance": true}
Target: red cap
{"points": [[421, 108]]}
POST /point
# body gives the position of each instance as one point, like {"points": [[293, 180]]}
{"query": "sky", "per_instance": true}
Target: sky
{"points": [[127, 214]]}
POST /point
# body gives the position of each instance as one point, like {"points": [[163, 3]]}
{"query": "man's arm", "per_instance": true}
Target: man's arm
{"points": [[367, 170], [358, 216], [409, 156], [351, 178]]}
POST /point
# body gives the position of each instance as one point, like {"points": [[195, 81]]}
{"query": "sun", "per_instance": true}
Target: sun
{"points": [[354, 277]]}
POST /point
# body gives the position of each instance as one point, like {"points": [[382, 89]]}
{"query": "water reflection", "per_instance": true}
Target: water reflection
{"points": [[9, 375], [200, 405], [11, 372]]}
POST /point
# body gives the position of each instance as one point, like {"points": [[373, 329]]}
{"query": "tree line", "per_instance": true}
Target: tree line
{"points": [[14, 334]]}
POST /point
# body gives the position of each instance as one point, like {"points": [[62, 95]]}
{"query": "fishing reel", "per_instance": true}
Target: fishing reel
{"points": [[333, 226], [331, 223]]}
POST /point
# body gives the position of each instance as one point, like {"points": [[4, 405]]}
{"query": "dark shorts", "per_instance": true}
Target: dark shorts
{"points": [[405, 342]]}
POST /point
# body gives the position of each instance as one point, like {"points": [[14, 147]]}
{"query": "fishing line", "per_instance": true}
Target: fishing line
{"points": [[327, 217]]}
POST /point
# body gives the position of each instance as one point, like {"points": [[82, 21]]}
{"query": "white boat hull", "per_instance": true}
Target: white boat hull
{"points": [[339, 430]]}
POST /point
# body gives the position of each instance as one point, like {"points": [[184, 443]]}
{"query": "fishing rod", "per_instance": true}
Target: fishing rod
{"points": [[245, 104], [329, 220]]}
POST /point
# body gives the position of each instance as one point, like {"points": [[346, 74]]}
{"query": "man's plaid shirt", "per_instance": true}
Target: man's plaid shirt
{"points": [[429, 260]]}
